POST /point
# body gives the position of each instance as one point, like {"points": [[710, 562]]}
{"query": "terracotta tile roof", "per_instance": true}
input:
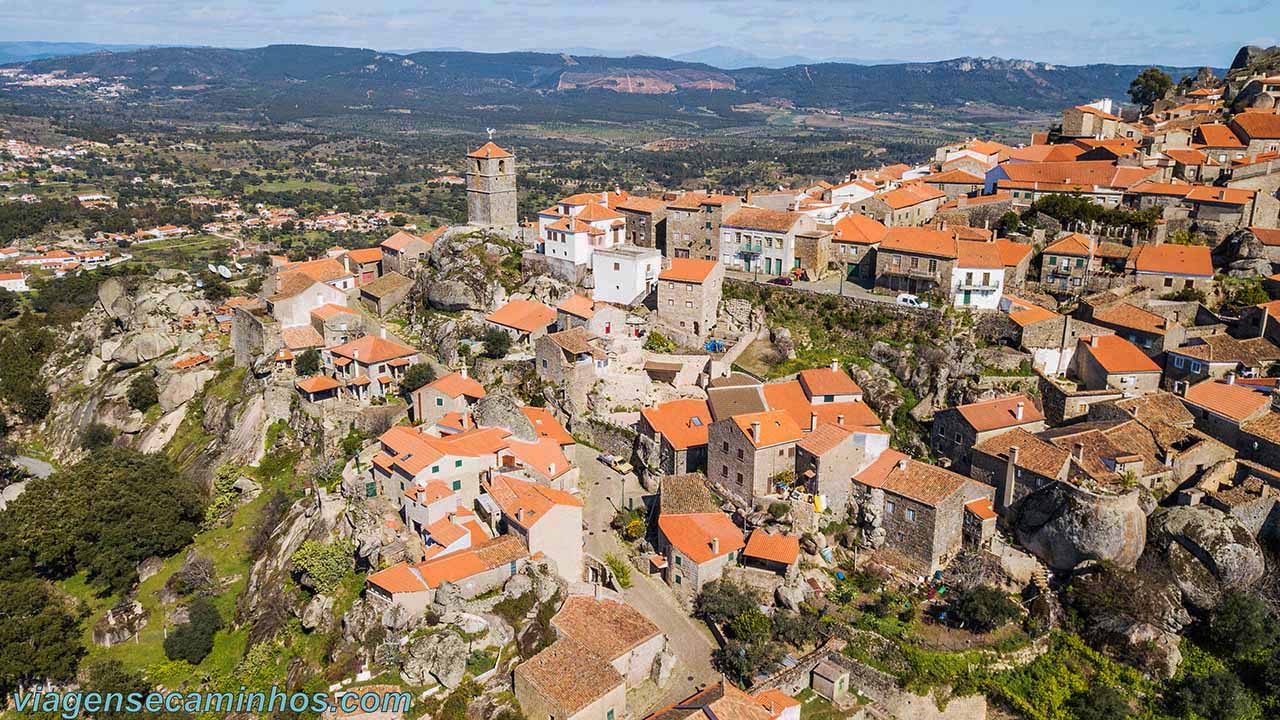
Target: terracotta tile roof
{"points": [[191, 361], [825, 438], [692, 533], [523, 315], [1095, 111], [1258, 125], [1267, 236], [445, 531], [1087, 174], [924, 483], [776, 427], [1046, 153], [999, 196], [1220, 196], [568, 676], [1000, 412], [401, 241], [682, 422], [1011, 252], [981, 508], [1129, 316], [1189, 157], [721, 701], [1235, 402], [858, 229], [685, 494], [578, 341], [827, 381], [905, 196], [983, 255], [954, 176], [780, 548], [607, 629], [1074, 245], [399, 578], [322, 270], [329, 310], [301, 337], [1156, 407], [695, 200], [454, 384], [595, 212], [1026, 314], [365, 256], [919, 241], [386, 285], [317, 384], [964, 232], [1167, 259], [433, 491], [753, 218], [1216, 135], [1117, 355], [525, 503], [637, 203], [544, 455], [1251, 352], [688, 270], [1266, 427], [578, 306], [727, 401], [372, 349], [463, 564], [1034, 454], [489, 151], [546, 425], [775, 701]]}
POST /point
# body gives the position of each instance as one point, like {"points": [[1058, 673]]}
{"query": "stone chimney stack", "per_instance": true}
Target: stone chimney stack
{"points": [[902, 464], [813, 421], [1018, 409], [462, 371], [1008, 490], [382, 332], [835, 366], [715, 546], [1093, 341], [840, 419], [1231, 378], [755, 432]]}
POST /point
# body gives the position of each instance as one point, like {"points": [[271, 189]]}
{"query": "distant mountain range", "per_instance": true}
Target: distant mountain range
{"points": [[302, 81], [731, 58], [11, 52]]}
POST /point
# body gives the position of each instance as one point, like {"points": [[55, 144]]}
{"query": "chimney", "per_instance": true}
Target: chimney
{"points": [[813, 421], [1017, 410], [1010, 479], [715, 546], [1275, 400], [755, 432], [1180, 387], [466, 420], [382, 332], [355, 355], [346, 263], [463, 371], [1077, 451], [840, 420], [902, 464], [1093, 341], [551, 469], [1231, 378], [599, 591], [835, 366]]}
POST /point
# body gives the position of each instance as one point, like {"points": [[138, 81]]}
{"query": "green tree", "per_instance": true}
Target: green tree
{"points": [[8, 304], [418, 375], [307, 362], [193, 640], [1242, 624], [497, 343], [96, 435], [1216, 695], [982, 608], [751, 626], [325, 564], [1099, 702], [39, 636], [1150, 86], [722, 600], [1008, 223], [143, 392], [659, 343]]}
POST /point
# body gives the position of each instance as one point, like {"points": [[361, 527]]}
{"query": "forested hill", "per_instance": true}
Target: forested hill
{"points": [[310, 80]]}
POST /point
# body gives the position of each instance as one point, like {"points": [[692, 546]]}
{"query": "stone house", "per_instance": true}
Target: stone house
{"points": [[524, 320], [1216, 356], [566, 682], [336, 324], [956, 430], [1168, 268], [1259, 439], [1219, 142], [574, 311], [453, 393], [977, 282], [855, 240], [404, 251], [1087, 121], [1016, 258], [1258, 131], [689, 293], [827, 455], [915, 260], [646, 221], [570, 357], [747, 451], [1068, 262], [1153, 333], [693, 224], [908, 205], [549, 521], [386, 292], [1016, 463], [955, 183], [295, 293], [762, 240], [475, 571], [370, 366], [1221, 407], [697, 540], [775, 552], [365, 264], [919, 509], [614, 632], [1109, 361], [678, 429]]}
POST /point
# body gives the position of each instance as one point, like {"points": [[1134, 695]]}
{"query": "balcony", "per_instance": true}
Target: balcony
{"points": [[989, 286]]}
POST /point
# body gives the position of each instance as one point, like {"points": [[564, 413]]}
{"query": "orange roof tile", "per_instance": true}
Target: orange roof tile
{"points": [[1012, 252], [523, 315], [1075, 245], [525, 503], [1236, 402], [981, 508], [776, 427], [546, 425], [682, 422], [1167, 259], [317, 384], [919, 241], [1266, 236], [982, 255], [1259, 125], [825, 438], [606, 628], [372, 349], [1117, 355], [924, 483], [953, 176], [1000, 412], [1128, 316], [329, 310], [301, 337], [1220, 196], [365, 256], [754, 218], [780, 548], [489, 151], [578, 306], [454, 384], [1216, 135], [828, 381], [907, 195], [858, 229], [688, 270], [692, 534]]}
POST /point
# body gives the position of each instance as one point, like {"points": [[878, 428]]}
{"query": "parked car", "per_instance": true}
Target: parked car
{"points": [[615, 463], [781, 280], [911, 301]]}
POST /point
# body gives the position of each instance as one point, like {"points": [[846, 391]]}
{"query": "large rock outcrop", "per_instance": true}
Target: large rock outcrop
{"points": [[439, 655], [143, 346], [462, 273], [1207, 551], [1066, 526], [501, 409]]}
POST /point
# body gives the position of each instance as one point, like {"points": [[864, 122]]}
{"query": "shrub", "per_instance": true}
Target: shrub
{"points": [[722, 600], [324, 563], [307, 362], [982, 608], [497, 343], [1099, 702], [751, 626], [143, 392], [418, 375], [193, 640], [1242, 624], [620, 569], [514, 609], [778, 510], [659, 343], [97, 435]]}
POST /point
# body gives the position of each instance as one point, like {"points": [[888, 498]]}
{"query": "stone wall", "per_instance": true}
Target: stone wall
{"points": [[610, 438]]}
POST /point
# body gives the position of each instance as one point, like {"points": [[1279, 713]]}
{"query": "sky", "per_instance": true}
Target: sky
{"points": [[1171, 32]]}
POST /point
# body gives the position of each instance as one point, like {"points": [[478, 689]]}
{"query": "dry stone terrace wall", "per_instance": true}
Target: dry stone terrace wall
{"points": [[781, 294]]}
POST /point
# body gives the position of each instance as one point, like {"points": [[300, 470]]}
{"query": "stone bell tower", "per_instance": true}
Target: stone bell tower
{"points": [[491, 188]]}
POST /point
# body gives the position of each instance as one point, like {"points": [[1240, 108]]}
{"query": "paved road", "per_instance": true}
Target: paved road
{"points": [[689, 640]]}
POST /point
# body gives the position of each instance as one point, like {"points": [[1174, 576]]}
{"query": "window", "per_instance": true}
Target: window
{"points": [[1195, 366], [911, 515], [457, 463], [933, 265], [915, 262], [1178, 361], [986, 278], [1079, 262], [724, 471], [616, 267], [828, 398], [1168, 282], [897, 260], [678, 578], [678, 561], [439, 402], [889, 506], [739, 453], [435, 469], [725, 446], [457, 484], [731, 556], [609, 715], [739, 478]]}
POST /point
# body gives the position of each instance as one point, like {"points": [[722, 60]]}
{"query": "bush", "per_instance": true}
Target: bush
{"points": [[751, 626], [659, 343], [1099, 702], [497, 343], [143, 392], [307, 362], [97, 435], [982, 609], [722, 600], [515, 609], [778, 510], [325, 564], [1216, 695], [1242, 624], [620, 569], [418, 375], [193, 640]]}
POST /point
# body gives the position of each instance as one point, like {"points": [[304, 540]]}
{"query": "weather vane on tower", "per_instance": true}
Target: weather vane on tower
{"points": [[490, 131]]}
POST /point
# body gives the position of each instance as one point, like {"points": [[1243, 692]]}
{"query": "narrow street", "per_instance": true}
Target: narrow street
{"points": [[602, 491]]}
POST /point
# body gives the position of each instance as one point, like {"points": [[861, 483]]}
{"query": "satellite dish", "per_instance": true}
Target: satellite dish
{"points": [[211, 267], [239, 267], [224, 272]]}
